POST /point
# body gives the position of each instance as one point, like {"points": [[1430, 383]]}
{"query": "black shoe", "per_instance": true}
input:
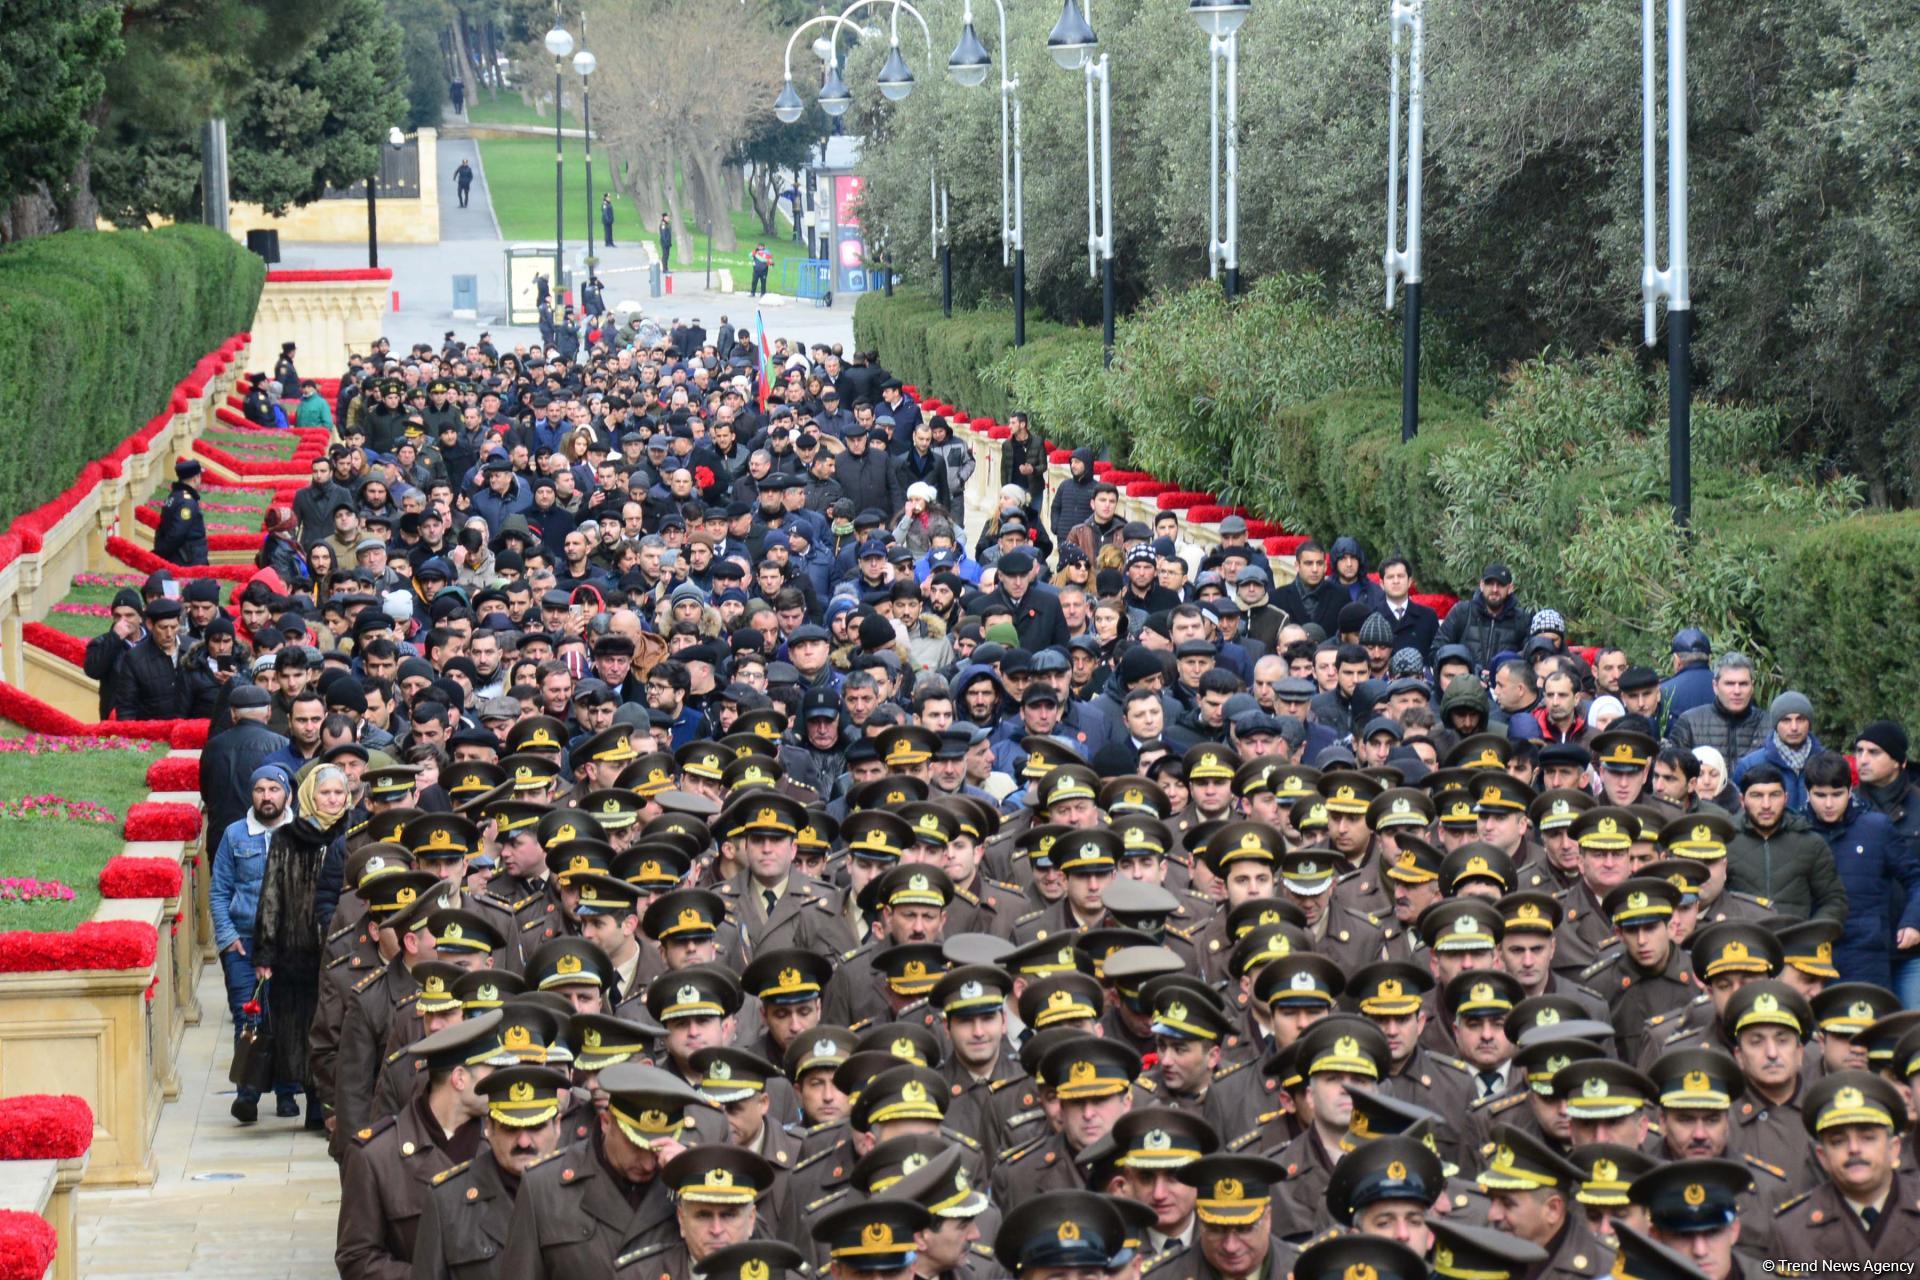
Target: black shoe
{"points": [[245, 1110], [316, 1123], [286, 1107]]}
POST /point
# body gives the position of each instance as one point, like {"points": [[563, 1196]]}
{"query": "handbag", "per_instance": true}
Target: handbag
{"points": [[253, 1052]]}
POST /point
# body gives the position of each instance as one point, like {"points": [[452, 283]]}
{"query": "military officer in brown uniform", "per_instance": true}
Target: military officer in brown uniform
{"points": [[1865, 1209], [1769, 1024], [390, 1164], [1605, 835], [775, 905], [1092, 1080], [1650, 975], [715, 1190], [1702, 1209], [984, 1079], [1725, 957], [1238, 1231], [463, 1224], [1702, 837], [788, 985], [1338, 1051], [1386, 1188], [1532, 1190], [516, 901], [578, 1207], [1340, 933], [375, 946]]}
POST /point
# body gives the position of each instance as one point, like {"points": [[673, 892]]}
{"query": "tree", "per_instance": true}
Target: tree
{"points": [[53, 55]]}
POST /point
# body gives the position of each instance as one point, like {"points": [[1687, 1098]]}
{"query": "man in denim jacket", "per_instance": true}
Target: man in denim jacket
{"points": [[239, 865]]}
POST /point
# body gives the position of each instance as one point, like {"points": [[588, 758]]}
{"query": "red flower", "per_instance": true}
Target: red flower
{"points": [[174, 773], [250, 1009], [27, 1245], [45, 1126], [703, 477], [114, 944], [162, 821], [133, 877]]}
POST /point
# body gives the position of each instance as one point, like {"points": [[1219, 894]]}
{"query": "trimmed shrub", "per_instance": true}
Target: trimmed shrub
{"points": [[95, 328]]}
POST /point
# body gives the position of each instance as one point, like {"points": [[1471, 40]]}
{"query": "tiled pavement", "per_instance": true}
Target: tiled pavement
{"points": [[274, 1222]]}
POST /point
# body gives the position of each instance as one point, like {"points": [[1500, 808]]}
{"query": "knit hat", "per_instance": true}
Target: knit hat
{"points": [[1138, 663], [875, 632], [1547, 620], [1888, 736], [1405, 662], [1791, 703], [1376, 630]]}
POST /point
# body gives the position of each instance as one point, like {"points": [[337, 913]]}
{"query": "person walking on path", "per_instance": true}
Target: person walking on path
{"points": [[287, 943], [606, 216], [239, 867], [666, 244], [463, 181]]}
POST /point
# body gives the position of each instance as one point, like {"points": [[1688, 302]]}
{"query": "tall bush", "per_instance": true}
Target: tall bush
{"points": [[95, 328]]}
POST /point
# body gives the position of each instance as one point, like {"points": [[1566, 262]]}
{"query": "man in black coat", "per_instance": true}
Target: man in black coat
{"points": [[1312, 595], [1036, 609], [867, 477], [106, 650], [147, 683], [227, 764], [314, 505]]}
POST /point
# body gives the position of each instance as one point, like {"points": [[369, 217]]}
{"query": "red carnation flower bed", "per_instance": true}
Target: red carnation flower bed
{"points": [[163, 821], [1148, 488], [188, 735], [1206, 513], [113, 944], [1182, 499], [174, 773], [56, 642], [1060, 457], [1284, 544], [27, 1245], [1265, 528], [45, 1126], [135, 556], [322, 277], [980, 424], [999, 433], [129, 877], [1438, 601]]}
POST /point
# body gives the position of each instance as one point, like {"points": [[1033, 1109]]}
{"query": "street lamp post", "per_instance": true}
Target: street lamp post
{"points": [[1673, 284], [968, 66], [559, 43], [1403, 265], [584, 65], [1221, 20], [1073, 44]]}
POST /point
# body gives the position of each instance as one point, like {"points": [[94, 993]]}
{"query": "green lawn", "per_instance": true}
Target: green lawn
{"points": [[509, 109], [256, 443], [58, 849], [84, 625], [520, 177]]}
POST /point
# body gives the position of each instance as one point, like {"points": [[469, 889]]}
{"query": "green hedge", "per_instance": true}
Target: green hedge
{"points": [[950, 358], [95, 329]]}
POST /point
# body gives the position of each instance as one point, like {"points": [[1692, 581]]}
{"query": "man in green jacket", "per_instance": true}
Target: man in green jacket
{"points": [[1776, 856], [314, 411]]}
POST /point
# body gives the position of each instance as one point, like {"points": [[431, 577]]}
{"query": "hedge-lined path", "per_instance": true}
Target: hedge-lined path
{"points": [[275, 1222]]}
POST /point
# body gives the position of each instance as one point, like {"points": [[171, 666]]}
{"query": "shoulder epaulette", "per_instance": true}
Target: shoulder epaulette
{"points": [[1793, 1202], [1021, 1118], [1020, 1152], [394, 1057], [1146, 1083], [1268, 1117], [340, 959], [375, 1129], [1185, 935], [848, 955], [1681, 1034], [972, 1144], [645, 1251], [551, 1155], [816, 1156], [369, 980], [1243, 1141], [1226, 1071], [1495, 1106], [1008, 885], [995, 1086], [1773, 1169], [344, 930], [1458, 1064], [966, 896], [822, 1127], [1031, 915], [981, 1250], [444, 1174], [827, 1199], [358, 827], [1170, 1256]]}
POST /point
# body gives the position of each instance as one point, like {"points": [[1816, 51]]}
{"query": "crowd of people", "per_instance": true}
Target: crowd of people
{"points": [[666, 834]]}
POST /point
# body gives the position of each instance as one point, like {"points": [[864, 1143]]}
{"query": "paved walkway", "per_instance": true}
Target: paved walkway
{"points": [[476, 221], [273, 1221]]}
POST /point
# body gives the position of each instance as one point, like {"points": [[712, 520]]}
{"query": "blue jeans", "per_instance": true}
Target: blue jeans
{"points": [[238, 971], [1906, 978]]}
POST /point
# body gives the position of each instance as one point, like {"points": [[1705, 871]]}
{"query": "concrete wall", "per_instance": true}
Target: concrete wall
{"points": [[409, 221], [328, 318]]}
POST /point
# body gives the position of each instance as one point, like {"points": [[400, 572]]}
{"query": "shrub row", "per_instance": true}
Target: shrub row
{"points": [[95, 328], [1291, 408]]}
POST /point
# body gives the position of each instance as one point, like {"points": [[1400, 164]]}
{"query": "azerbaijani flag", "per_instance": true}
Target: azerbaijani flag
{"points": [[766, 358]]}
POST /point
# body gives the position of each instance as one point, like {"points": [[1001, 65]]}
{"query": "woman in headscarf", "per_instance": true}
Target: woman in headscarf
{"points": [[287, 945]]}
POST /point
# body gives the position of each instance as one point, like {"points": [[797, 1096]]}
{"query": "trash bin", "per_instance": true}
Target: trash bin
{"points": [[653, 280], [266, 243], [466, 294]]}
